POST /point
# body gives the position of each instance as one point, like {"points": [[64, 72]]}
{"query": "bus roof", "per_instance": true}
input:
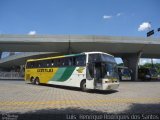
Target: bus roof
{"points": [[63, 56], [97, 52]]}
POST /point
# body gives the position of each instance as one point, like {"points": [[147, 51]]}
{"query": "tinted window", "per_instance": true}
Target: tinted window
{"points": [[107, 58], [59, 62], [28, 65], [64, 61], [81, 60], [31, 65], [42, 63], [101, 58], [94, 58]]}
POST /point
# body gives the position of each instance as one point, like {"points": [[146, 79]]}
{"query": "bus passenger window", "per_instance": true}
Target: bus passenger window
{"points": [[39, 65], [48, 63], [62, 62], [74, 61], [81, 60], [28, 65], [52, 63], [58, 63], [70, 61], [32, 64]]}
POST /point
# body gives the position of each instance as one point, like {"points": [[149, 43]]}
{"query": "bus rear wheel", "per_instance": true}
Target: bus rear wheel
{"points": [[37, 81], [32, 80], [83, 86]]}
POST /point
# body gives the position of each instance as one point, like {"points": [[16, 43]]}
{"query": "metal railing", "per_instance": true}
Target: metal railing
{"points": [[11, 75]]}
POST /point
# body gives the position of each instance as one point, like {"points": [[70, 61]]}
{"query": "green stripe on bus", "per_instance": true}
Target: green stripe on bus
{"points": [[68, 72], [58, 74]]}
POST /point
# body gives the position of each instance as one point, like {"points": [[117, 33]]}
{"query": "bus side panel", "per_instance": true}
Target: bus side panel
{"points": [[30, 73], [71, 76], [44, 77]]}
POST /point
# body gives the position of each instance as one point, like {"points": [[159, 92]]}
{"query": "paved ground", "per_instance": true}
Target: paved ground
{"points": [[131, 97]]}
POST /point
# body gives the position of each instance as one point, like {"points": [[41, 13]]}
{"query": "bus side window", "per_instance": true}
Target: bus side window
{"points": [[39, 64], [32, 65], [62, 62], [70, 61], [58, 63], [55, 62], [43, 64], [48, 63], [35, 64], [81, 60], [74, 61], [52, 63], [67, 61], [28, 65]]}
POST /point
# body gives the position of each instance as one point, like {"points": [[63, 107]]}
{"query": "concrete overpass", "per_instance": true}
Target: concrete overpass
{"points": [[20, 59], [130, 49]]}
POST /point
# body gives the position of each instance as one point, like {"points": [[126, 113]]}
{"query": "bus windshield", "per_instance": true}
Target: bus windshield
{"points": [[101, 58], [125, 72], [106, 65], [109, 70]]}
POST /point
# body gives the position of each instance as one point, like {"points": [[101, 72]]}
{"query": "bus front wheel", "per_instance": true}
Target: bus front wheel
{"points": [[83, 86]]}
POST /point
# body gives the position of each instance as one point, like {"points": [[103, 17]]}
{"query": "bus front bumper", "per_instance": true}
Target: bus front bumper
{"points": [[110, 86]]}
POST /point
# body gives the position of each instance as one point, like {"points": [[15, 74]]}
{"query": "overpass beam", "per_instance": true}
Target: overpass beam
{"points": [[131, 61]]}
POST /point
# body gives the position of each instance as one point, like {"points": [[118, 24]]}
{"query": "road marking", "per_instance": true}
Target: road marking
{"points": [[79, 102], [24, 106]]}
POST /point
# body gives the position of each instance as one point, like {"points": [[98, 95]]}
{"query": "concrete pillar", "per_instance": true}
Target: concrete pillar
{"points": [[131, 61], [0, 54]]}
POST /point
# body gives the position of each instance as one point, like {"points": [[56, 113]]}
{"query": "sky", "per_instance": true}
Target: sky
{"points": [[80, 17]]}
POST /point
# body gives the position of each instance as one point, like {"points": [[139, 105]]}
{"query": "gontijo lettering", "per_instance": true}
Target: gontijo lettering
{"points": [[45, 70]]}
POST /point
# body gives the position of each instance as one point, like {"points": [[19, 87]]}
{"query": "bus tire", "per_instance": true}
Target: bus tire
{"points": [[32, 80], [37, 82], [83, 86]]}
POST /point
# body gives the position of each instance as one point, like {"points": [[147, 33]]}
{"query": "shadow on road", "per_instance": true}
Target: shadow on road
{"points": [[78, 89], [139, 110]]}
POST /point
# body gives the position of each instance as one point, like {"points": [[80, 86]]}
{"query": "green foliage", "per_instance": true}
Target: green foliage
{"points": [[149, 65]]}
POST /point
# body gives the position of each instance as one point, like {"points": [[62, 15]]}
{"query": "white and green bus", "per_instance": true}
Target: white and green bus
{"points": [[88, 70]]}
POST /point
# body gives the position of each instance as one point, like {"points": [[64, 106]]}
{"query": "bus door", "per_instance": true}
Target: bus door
{"points": [[90, 76], [97, 74], [94, 75]]}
